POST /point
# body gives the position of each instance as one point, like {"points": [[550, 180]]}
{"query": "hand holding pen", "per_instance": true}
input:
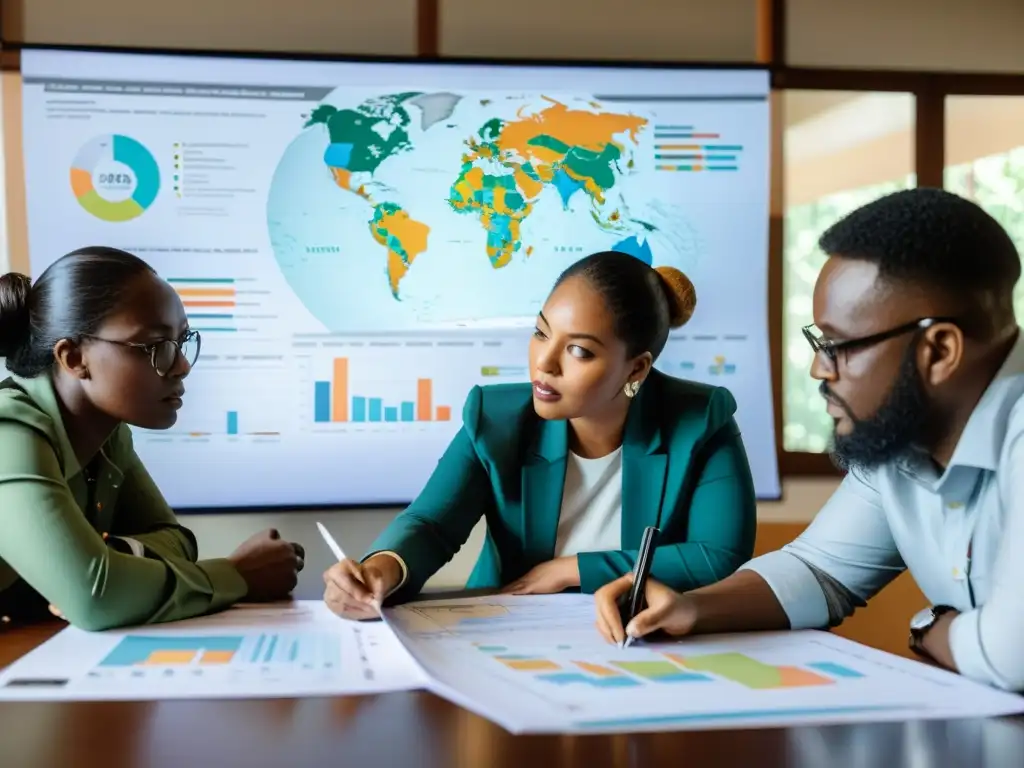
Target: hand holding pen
{"points": [[355, 590], [633, 601]]}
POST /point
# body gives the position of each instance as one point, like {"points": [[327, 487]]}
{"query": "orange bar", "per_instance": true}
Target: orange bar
{"points": [[444, 413], [208, 303], [217, 657], [170, 657], [339, 390], [795, 677], [206, 291], [530, 665], [680, 147], [596, 669], [424, 395]]}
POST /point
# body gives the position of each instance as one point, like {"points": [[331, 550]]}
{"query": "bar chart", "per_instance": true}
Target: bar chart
{"points": [[218, 650], [225, 307], [210, 303], [334, 402]]}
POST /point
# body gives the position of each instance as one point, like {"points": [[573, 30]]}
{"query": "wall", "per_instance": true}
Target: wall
{"points": [[948, 35], [332, 26]]}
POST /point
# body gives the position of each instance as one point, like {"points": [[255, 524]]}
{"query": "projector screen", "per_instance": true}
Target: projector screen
{"points": [[360, 243]]}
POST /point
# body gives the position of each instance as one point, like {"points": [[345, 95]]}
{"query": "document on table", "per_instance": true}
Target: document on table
{"points": [[532, 664], [266, 651], [537, 664]]}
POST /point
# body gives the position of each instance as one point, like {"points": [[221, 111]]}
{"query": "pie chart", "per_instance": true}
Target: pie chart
{"points": [[115, 178]]}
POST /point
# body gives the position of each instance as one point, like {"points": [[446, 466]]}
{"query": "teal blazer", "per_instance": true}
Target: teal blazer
{"points": [[683, 469]]}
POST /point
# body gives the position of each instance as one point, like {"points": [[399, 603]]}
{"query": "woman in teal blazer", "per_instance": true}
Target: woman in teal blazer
{"points": [[569, 469]]}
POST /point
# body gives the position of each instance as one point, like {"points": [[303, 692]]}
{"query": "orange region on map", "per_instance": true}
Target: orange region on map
{"points": [[575, 142], [502, 209], [575, 127], [343, 178], [403, 236]]}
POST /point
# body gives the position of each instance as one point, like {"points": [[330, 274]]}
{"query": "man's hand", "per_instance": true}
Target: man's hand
{"points": [[547, 578]]}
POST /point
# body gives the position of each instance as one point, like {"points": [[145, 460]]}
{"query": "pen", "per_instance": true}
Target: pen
{"points": [[336, 549], [636, 598]]}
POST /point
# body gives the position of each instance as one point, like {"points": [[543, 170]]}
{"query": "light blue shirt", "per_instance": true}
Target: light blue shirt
{"points": [[906, 515]]}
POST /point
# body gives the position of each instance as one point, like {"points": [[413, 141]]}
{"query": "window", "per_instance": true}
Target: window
{"points": [[985, 161], [842, 150]]}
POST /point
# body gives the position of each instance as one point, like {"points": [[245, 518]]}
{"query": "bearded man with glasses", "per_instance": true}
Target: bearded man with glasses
{"points": [[922, 366]]}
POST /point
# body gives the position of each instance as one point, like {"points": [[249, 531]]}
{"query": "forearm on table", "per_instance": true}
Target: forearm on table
{"points": [[742, 602]]}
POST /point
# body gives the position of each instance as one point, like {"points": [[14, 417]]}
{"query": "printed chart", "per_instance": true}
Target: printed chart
{"points": [[538, 665], [295, 650]]}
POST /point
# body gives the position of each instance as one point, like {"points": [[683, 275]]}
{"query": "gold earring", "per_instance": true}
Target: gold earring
{"points": [[631, 388]]}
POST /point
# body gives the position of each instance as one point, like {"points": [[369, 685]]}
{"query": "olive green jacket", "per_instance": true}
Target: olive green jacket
{"points": [[68, 532]]}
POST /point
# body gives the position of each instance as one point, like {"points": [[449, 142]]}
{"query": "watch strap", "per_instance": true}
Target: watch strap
{"points": [[917, 633]]}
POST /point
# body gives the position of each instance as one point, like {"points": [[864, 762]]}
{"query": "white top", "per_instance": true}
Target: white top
{"points": [[961, 535], [591, 516]]}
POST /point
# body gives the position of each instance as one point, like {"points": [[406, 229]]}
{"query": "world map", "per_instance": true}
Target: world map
{"points": [[414, 163]]}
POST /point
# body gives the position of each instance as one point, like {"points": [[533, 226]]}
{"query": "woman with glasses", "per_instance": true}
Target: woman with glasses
{"points": [[97, 343]]}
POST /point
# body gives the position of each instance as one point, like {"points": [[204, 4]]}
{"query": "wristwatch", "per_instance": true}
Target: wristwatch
{"points": [[922, 621]]}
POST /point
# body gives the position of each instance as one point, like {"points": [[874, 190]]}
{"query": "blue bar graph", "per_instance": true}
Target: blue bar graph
{"points": [[232, 422], [270, 649], [408, 411], [293, 654], [837, 670], [322, 402], [376, 408], [358, 409], [138, 649], [258, 648], [391, 413]]}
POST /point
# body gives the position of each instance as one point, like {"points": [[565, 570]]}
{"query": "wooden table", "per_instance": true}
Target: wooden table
{"points": [[420, 729]]}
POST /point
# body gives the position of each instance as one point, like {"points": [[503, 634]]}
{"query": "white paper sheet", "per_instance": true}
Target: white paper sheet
{"points": [[291, 650], [537, 664]]}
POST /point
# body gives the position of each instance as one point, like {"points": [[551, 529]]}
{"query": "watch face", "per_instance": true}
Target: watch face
{"points": [[922, 619]]}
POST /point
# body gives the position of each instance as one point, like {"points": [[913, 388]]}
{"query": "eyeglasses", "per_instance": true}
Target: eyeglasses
{"points": [[831, 348], [163, 354]]}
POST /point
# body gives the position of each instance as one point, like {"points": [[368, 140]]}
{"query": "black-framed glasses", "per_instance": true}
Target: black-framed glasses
{"points": [[830, 349], [163, 354]]}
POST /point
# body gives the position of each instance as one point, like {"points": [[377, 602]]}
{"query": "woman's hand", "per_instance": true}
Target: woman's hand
{"points": [[547, 578], [667, 610], [356, 590], [269, 564]]}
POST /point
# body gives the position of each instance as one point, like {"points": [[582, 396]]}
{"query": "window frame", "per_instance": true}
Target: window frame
{"points": [[929, 89]]}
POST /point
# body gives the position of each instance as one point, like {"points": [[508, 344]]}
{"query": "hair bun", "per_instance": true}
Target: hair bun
{"points": [[681, 295], [14, 312]]}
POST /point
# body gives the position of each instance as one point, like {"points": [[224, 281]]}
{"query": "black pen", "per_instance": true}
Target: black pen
{"points": [[636, 599]]}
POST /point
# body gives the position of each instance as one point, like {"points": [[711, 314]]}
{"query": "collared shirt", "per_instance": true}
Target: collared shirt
{"points": [[55, 516], [959, 533]]}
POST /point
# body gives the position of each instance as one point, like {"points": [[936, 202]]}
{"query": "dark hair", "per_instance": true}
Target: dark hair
{"points": [[932, 237], [71, 299], [645, 303]]}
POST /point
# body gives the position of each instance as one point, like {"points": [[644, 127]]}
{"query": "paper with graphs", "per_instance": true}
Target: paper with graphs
{"points": [[291, 650], [537, 664]]}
